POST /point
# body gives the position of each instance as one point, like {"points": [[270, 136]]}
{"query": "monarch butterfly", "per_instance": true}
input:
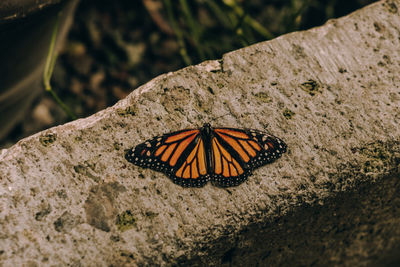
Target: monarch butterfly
{"points": [[192, 157]]}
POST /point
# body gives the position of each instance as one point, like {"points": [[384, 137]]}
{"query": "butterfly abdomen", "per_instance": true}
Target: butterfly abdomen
{"points": [[206, 135]]}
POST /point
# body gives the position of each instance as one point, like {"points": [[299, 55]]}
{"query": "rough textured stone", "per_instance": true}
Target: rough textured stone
{"points": [[68, 196]]}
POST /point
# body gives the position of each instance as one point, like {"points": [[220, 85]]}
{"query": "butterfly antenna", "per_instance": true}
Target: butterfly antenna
{"points": [[216, 118]]}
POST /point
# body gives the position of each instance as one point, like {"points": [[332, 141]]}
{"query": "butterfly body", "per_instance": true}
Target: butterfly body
{"points": [[192, 157]]}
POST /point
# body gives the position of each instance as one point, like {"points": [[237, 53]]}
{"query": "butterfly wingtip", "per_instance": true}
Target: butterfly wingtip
{"points": [[129, 155], [282, 145]]}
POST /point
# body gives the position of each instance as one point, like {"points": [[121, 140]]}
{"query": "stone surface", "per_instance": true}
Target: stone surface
{"points": [[68, 196]]}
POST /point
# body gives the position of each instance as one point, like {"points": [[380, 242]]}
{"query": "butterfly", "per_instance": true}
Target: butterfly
{"points": [[192, 157]]}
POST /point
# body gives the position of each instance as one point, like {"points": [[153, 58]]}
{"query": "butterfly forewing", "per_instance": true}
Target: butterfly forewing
{"points": [[227, 171], [180, 155]]}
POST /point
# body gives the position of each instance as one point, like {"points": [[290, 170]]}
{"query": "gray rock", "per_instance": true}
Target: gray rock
{"points": [[68, 196]]}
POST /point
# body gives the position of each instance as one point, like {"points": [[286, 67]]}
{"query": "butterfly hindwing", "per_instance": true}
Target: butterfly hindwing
{"points": [[193, 170], [227, 170], [180, 155], [237, 152]]}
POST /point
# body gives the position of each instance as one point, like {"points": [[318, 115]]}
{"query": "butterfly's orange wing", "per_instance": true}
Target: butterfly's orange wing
{"points": [[237, 152], [180, 155]]}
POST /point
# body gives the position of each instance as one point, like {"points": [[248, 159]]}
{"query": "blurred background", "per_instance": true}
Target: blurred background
{"points": [[114, 47]]}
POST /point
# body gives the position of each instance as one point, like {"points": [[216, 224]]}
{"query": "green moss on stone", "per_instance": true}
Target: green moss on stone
{"points": [[378, 154], [288, 114], [264, 97], [311, 87], [131, 110], [48, 139], [376, 151], [125, 221], [117, 146]]}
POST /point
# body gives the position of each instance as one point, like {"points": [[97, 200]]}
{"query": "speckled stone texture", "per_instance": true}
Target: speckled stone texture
{"points": [[69, 197]]}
